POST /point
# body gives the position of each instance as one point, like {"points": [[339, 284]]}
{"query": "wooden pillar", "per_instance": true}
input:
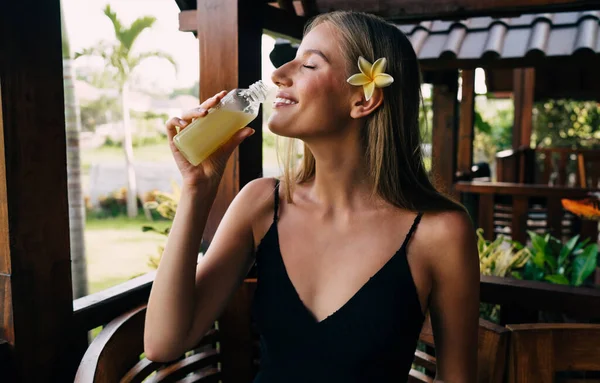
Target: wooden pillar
{"points": [[523, 88], [36, 302], [445, 107], [466, 124], [230, 36]]}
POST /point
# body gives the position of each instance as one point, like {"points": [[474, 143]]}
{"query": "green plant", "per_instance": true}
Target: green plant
{"points": [[500, 258], [164, 204], [566, 264]]}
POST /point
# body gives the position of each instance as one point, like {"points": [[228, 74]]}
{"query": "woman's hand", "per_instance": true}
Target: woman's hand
{"points": [[210, 170]]}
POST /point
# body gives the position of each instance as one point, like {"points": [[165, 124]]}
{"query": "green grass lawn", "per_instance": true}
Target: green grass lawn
{"points": [[117, 249]]}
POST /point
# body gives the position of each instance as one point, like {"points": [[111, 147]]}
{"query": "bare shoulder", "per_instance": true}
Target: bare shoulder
{"points": [[256, 197], [256, 202], [257, 190], [446, 237]]}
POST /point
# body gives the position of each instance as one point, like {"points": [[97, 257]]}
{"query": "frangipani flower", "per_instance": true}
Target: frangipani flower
{"points": [[371, 76]]}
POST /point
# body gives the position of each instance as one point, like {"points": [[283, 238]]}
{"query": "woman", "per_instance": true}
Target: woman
{"points": [[352, 249]]}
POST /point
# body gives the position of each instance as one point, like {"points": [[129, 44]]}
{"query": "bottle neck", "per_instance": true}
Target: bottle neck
{"points": [[256, 93]]}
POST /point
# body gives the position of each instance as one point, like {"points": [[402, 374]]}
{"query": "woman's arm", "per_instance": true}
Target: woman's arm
{"points": [[187, 294], [454, 298]]}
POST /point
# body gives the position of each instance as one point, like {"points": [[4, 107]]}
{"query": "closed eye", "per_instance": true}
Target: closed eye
{"points": [[309, 66]]}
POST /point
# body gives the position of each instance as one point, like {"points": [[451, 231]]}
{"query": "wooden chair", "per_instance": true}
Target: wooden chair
{"points": [[588, 166], [539, 351], [226, 353], [492, 350]]}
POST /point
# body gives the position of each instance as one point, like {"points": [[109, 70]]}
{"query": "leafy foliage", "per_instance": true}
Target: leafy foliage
{"points": [[166, 205], [566, 264], [566, 123]]}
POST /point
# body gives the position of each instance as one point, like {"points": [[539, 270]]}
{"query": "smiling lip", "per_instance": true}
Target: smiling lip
{"points": [[284, 99]]}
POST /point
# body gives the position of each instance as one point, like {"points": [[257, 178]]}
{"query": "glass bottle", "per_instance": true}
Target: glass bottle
{"points": [[206, 134]]}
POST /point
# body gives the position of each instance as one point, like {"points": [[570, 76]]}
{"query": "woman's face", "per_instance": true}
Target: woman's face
{"points": [[313, 98]]}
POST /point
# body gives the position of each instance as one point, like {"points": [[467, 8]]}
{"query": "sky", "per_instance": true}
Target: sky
{"points": [[87, 24]]}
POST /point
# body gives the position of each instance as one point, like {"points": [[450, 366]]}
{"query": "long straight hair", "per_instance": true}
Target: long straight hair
{"points": [[391, 138]]}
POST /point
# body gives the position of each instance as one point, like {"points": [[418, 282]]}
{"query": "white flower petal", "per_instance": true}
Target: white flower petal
{"points": [[379, 67], [369, 89], [358, 79], [382, 80], [365, 66]]}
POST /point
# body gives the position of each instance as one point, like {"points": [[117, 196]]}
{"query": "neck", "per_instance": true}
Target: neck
{"points": [[342, 179]]}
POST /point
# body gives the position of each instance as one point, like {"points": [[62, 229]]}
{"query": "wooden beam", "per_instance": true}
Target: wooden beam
{"points": [[444, 130], [188, 21], [237, 50], [415, 10], [466, 122], [37, 302], [275, 21], [524, 88]]}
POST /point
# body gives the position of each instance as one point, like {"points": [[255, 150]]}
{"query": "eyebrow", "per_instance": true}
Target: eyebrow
{"points": [[316, 52]]}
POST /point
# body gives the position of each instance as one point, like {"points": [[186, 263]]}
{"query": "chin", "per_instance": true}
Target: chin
{"points": [[280, 127]]}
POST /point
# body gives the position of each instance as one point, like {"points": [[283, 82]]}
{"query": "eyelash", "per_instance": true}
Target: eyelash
{"points": [[308, 66]]}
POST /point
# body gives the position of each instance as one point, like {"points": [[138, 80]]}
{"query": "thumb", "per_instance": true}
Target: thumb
{"points": [[236, 140]]}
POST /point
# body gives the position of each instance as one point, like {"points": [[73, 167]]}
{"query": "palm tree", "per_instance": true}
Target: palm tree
{"points": [[76, 206], [123, 61]]}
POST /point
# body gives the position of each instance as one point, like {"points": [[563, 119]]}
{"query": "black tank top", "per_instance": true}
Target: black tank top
{"points": [[371, 338]]}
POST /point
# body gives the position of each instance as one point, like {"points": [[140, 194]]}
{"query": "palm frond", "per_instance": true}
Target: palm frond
{"points": [[129, 35], [112, 15], [102, 49], [136, 60]]}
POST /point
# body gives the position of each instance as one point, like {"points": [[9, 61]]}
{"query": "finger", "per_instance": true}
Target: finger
{"points": [[214, 100], [192, 114], [202, 110], [173, 126], [235, 141]]}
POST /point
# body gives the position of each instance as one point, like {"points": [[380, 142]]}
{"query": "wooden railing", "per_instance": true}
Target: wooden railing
{"points": [[512, 209], [100, 308]]}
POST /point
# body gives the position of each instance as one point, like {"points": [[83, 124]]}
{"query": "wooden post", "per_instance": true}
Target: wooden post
{"points": [[445, 105], [229, 34], [35, 272], [523, 87], [466, 123]]}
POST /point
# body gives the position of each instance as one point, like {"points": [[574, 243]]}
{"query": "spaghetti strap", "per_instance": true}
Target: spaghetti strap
{"points": [[276, 205], [412, 229]]}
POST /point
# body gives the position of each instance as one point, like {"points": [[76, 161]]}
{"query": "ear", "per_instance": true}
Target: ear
{"points": [[361, 107]]}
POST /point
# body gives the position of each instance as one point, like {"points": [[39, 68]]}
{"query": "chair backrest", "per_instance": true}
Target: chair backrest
{"points": [[539, 351], [491, 354], [588, 165], [226, 353]]}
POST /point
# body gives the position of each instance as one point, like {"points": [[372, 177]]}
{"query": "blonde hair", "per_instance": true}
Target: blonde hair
{"points": [[391, 138]]}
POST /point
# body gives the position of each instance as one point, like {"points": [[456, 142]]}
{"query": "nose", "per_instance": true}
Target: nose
{"points": [[280, 76]]}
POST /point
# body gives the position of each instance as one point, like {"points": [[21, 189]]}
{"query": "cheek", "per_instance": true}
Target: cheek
{"points": [[326, 92]]}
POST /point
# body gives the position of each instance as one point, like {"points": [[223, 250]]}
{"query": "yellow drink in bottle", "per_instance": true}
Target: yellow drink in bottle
{"points": [[206, 134]]}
